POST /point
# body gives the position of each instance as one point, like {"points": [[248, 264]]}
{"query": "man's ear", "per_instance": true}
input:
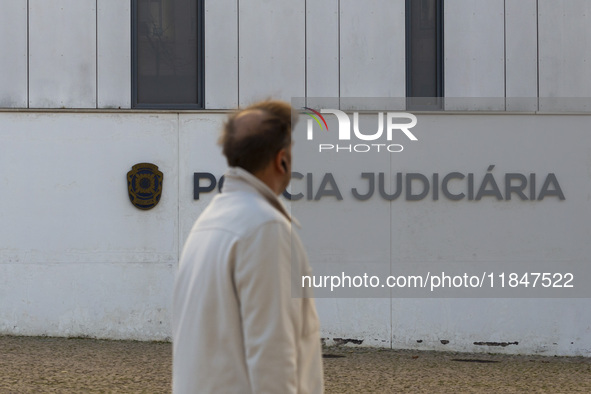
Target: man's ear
{"points": [[281, 161]]}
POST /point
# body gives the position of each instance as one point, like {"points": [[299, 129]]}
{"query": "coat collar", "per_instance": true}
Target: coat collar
{"points": [[237, 179]]}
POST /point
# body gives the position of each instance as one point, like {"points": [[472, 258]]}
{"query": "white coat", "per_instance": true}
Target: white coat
{"points": [[237, 325]]}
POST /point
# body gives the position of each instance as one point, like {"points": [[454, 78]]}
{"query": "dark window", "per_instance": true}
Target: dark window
{"points": [[424, 53], [167, 61]]}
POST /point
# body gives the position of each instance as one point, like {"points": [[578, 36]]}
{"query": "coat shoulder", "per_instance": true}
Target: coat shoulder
{"points": [[239, 213]]}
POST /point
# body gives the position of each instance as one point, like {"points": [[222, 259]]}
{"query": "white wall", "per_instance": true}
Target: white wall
{"points": [[13, 62], [62, 54], [221, 53], [271, 41], [353, 237], [371, 38], [474, 51], [521, 55], [499, 55], [565, 55], [114, 54], [76, 258], [65, 54], [322, 48]]}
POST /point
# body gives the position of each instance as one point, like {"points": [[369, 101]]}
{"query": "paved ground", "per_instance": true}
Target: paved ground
{"points": [[48, 365]]}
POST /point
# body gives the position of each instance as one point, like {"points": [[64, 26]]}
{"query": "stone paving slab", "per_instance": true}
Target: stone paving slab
{"points": [[76, 365]]}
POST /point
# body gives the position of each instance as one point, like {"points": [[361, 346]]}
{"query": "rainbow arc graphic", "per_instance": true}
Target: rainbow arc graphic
{"points": [[316, 115]]}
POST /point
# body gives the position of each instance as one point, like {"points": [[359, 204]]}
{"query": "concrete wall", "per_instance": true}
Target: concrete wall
{"points": [[77, 259]]}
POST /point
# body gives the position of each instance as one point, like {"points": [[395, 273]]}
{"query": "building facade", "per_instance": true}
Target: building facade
{"points": [[90, 88]]}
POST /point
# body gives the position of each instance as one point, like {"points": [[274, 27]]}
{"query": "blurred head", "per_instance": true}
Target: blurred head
{"points": [[258, 139]]}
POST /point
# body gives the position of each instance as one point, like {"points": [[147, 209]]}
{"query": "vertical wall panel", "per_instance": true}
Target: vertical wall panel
{"points": [[221, 54], [521, 55], [13, 47], [565, 54], [474, 55], [372, 44], [322, 48], [114, 54], [76, 257], [198, 152], [272, 50], [62, 53]]}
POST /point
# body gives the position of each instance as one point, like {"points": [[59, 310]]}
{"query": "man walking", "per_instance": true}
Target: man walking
{"points": [[237, 327]]}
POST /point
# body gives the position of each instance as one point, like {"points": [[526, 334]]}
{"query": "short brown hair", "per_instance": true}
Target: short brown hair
{"points": [[253, 144]]}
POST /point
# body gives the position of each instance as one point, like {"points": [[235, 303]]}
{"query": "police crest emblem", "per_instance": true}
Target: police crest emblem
{"points": [[144, 184]]}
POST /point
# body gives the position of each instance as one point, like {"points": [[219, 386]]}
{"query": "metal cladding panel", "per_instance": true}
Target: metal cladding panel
{"points": [[565, 54], [372, 49], [271, 50], [62, 54], [521, 55], [474, 54], [114, 54], [221, 54], [13, 47], [322, 48]]}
